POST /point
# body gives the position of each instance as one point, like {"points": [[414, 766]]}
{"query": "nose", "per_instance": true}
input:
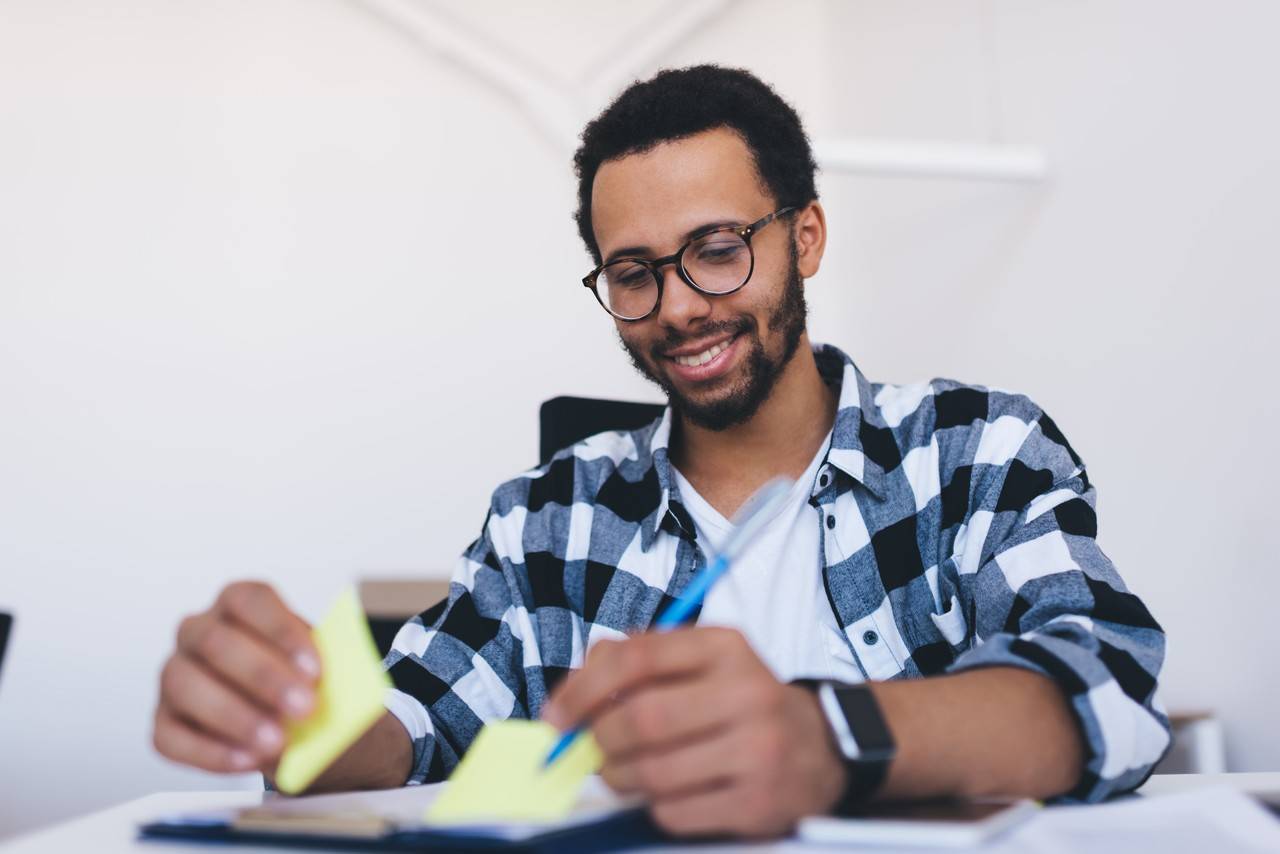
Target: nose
{"points": [[682, 305]]}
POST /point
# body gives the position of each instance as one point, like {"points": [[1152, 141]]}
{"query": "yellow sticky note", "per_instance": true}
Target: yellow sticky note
{"points": [[501, 777], [348, 698]]}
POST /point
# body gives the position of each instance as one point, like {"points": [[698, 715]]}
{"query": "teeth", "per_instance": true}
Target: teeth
{"points": [[703, 357]]}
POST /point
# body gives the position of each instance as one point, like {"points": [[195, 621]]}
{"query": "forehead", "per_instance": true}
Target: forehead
{"points": [[653, 198]]}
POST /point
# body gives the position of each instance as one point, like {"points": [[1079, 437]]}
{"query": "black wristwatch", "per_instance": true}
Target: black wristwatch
{"points": [[862, 736]]}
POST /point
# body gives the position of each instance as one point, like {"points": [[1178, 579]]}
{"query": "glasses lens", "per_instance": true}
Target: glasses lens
{"points": [[627, 289], [719, 262]]}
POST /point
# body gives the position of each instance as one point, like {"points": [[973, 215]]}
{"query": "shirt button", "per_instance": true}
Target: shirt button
{"points": [[869, 637], [831, 522], [824, 480]]}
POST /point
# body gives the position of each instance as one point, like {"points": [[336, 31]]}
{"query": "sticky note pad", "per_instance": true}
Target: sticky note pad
{"points": [[502, 778], [348, 697]]}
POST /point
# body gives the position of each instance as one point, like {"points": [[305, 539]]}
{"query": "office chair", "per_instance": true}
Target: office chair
{"points": [[6, 621], [565, 420]]}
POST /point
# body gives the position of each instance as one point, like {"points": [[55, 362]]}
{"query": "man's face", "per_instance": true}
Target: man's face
{"points": [[716, 357]]}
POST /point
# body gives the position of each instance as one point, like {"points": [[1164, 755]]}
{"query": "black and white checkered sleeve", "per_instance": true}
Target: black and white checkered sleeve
{"points": [[1044, 596], [460, 664]]}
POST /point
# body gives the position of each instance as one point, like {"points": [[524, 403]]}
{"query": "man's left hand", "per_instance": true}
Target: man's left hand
{"points": [[693, 720]]}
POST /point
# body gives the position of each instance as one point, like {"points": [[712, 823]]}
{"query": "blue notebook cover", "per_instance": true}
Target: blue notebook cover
{"points": [[392, 820], [617, 832]]}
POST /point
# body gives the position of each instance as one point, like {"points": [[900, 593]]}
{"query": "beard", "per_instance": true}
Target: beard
{"points": [[786, 317]]}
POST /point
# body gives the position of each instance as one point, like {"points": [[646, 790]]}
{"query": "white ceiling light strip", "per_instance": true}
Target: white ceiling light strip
{"points": [[923, 159]]}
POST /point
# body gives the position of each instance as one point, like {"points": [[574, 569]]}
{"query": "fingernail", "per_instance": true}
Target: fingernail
{"points": [[297, 702], [268, 736], [551, 714], [240, 759], [307, 663]]}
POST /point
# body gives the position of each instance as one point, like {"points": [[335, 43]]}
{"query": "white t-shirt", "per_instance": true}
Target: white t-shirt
{"points": [[774, 593]]}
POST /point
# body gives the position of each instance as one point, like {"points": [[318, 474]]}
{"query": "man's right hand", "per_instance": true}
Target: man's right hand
{"points": [[240, 670]]}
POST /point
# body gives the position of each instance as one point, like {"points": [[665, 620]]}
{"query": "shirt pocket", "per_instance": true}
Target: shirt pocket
{"points": [[951, 622], [841, 664]]}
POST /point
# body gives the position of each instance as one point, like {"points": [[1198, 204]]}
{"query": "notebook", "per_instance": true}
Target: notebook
{"points": [[394, 820]]}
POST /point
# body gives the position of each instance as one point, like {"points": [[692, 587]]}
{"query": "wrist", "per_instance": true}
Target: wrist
{"points": [[827, 769], [859, 738]]}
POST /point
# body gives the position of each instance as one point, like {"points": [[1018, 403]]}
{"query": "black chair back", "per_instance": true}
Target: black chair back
{"points": [[6, 622], [566, 420]]}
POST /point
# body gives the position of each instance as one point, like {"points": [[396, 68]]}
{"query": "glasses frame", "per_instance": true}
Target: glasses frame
{"points": [[746, 232]]}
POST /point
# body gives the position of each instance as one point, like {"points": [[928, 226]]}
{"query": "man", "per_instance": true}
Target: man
{"points": [[930, 614]]}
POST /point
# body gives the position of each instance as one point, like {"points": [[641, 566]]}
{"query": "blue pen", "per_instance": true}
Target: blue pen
{"points": [[754, 514]]}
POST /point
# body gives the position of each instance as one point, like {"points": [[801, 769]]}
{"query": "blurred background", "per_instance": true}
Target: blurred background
{"points": [[283, 283]]}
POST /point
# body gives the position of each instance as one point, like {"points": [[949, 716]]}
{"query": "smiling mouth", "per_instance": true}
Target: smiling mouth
{"points": [[705, 356]]}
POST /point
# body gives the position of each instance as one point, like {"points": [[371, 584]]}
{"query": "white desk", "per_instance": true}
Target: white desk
{"points": [[1267, 782], [115, 830]]}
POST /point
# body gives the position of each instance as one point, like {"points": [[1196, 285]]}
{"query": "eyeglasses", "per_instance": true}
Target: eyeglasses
{"points": [[721, 262]]}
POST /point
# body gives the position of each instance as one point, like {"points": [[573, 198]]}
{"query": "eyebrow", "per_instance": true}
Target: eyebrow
{"points": [[692, 234]]}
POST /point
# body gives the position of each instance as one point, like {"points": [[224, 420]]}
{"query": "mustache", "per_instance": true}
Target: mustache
{"points": [[674, 339]]}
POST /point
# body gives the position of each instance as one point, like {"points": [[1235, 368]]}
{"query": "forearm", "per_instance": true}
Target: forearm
{"points": [[380, 759], [994, 731]]}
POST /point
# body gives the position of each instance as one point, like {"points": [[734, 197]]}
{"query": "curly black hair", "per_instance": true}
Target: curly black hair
{"points": [[680, 102]]}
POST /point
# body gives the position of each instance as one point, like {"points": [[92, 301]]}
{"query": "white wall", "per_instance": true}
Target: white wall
{"points": [[246, 327]]}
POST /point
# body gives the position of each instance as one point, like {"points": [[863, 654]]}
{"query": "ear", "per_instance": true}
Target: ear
{"points": [[810, 230]]}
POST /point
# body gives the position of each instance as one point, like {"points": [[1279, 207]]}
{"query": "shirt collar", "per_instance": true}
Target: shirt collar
{"points": [[659, 449], [858, 420]]}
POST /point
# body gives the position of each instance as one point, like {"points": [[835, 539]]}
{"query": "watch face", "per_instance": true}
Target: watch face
{"points": [[865, 722]]}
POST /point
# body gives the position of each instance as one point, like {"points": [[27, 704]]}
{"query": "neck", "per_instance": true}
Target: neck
{"points": [[780, 439]]}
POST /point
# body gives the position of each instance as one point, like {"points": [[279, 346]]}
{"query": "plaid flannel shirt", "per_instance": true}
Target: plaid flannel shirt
{"points": [[958, 531]]}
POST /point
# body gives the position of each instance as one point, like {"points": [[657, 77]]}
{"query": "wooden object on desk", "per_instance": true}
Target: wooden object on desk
{"points": [[389, 602], [1199, 745]]}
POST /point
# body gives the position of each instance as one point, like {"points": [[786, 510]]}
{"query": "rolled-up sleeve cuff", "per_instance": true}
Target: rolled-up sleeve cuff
{"points": [[1124, 738], [415, 720]]}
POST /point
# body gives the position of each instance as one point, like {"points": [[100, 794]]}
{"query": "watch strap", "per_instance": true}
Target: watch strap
{"points": [[866, 754]]}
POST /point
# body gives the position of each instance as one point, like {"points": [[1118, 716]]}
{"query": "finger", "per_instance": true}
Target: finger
{"points": [[260, 608], [661, 715], [179, 741], [193, 693], [615, 667], [694, 766], [734, 809], [251, 666]]}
